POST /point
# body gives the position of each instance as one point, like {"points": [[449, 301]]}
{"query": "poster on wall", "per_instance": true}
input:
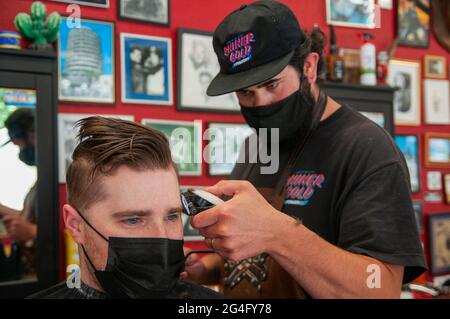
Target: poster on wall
{"points": [[405, 76], [92, 3], [151, 11], [409, 146], [146, 69], [185, 140], [86, 61], [437, 101], [351, 13], [198, 65], [413, 23], [67, 138]]}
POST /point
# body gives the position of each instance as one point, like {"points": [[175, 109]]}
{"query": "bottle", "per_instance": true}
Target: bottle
{"points": [[368, 61], [335, 63], [382, 67]]}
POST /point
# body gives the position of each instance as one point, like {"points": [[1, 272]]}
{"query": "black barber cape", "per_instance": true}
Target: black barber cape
{"points": [[182, 290]]}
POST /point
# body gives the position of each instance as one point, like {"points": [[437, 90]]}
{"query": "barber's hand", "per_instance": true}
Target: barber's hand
{"points": [[194, 269], [20, 229], [243, 226]]}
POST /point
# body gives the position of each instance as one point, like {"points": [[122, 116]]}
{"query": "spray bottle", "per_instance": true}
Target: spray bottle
{"points": [[368, 60]]}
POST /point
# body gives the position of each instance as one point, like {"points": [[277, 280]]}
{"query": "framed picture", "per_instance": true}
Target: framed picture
{"points": [[437, 101], [409, 145], [434, 181], [419, 215], [86, 62], [435, 67], [385, 4], [377, 117], [350, 13], [92, 3], [190, 233], [185, 140], [447, 188], [404, 75], [198, 65], [437, 149], [146, 64], [151, 11], [413, 23], [439, 243], [225, 141], [67, 138]]}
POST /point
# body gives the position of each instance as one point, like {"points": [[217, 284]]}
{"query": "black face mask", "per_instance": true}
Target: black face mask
{"points": [[291, 115], [139, 267], [27, 155]]}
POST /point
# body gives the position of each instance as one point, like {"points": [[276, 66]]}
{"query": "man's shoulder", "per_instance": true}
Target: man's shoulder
{"points": [[58, 291], [187, 290]]}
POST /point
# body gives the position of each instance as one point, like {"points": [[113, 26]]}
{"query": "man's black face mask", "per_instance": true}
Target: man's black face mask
{"points": [[28, 155], [292, 115], [139, 267]]}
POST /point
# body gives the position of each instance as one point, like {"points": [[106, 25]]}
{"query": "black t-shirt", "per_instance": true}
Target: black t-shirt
{"points": [[182, 290], [351, 187]]}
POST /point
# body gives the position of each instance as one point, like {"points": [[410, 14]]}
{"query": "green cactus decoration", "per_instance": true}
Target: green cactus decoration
{"points": [[40, 31]]}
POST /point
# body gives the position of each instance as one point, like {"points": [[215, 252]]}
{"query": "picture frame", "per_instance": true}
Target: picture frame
{"points": [[91, 3], [67, 140], [418, 213], [225, 141], [434, 181], [198, 65], [409, 146], [438, 243], [149, 11], [86, 61], [437, 150], [437, 102], [435, 67], [377, 117], [190, 233], [447, 188], [347, 13], [146, 69], [185, 138], [413, 23], [404, 75]]}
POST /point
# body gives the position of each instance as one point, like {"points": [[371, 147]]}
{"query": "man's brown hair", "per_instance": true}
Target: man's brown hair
{"points": [[105, 144]]}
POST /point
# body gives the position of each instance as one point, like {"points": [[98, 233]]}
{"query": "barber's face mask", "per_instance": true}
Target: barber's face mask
{"points": [[27, 155], [139, 267], [291, 115]]}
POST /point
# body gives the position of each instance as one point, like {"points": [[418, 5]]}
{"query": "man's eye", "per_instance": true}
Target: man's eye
{"points": [[173, 217], [243, 93], [272, 86], [133, 221]]}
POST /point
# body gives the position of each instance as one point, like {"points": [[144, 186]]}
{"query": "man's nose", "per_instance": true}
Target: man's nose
{"points": [[262, 98]]}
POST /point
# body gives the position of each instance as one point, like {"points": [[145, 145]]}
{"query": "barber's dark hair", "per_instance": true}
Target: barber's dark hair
{"points": [[315, 41]]}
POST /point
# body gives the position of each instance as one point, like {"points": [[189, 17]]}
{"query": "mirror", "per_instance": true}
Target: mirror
{"points": [[18, 185]]}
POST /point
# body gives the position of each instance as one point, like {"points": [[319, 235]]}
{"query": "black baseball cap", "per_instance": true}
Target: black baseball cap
{"points": [[253, 44]]}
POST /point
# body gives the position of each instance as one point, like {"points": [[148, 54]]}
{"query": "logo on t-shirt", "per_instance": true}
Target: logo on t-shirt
{"points": [[301, 187]]}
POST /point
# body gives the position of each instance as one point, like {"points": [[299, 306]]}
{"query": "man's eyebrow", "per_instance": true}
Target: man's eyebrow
{"points": [[175, 210], [127, 213]]}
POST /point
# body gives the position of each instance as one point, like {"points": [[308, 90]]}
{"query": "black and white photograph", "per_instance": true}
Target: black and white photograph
{"points": [[404, 75], [437, 102], [198, 65], [151, 11], [92, 3], [435, 67], [67, 138]]}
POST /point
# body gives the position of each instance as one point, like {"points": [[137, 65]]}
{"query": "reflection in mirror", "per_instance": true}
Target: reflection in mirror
{"points": [[18, 180]]}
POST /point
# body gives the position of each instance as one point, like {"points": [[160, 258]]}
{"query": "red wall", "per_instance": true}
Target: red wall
{"points": [[206, 15]]}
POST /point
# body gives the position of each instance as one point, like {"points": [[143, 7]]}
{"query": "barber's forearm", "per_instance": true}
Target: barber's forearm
{"points": [[212, 263], [326, 271], [4, 211]]}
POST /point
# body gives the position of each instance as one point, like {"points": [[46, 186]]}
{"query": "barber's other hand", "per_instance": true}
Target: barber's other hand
{"points": [[242, 227], [19, 229], [194, 270]]}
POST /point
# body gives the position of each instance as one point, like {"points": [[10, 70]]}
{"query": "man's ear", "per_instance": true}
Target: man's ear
{"points": [[310, 67], [73, 221]]}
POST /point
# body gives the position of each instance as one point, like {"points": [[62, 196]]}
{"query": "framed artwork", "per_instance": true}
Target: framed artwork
{"points": [[404, 75], [437, 149], [437, 101], [86, 61], [185, 140], [190, 233], [435, 67], [151, 11], [67, 137], [413, 23], [350, 13], [419, 215], [409, 145], [225, 141], [439, 243], [198, 65], [146, 69], [385, 4], [434, 181], [92, 3], [377, 117], [447, 188]]}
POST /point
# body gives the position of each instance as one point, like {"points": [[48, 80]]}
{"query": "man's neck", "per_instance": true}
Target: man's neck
{"points": [[331, 107], [88, 277]]}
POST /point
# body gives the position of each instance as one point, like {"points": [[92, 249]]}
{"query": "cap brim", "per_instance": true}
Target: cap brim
{"points": [[227, 83]]}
